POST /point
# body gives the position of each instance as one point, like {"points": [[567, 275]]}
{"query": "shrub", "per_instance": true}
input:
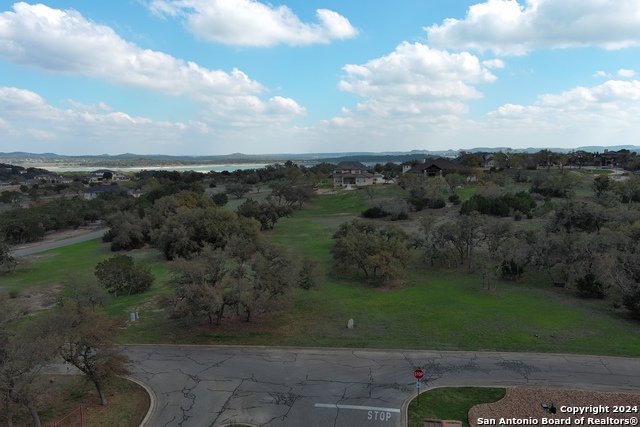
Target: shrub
{"points": [[589, 287], [418, 203], [511, 269], [220, 199], [499, 206], [455, 199], [400, 216], [375, 212], [121, 275], [438, 203], [632, 302]]}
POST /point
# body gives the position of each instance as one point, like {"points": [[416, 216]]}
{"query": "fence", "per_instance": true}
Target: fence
{"points": [[74, 418]]}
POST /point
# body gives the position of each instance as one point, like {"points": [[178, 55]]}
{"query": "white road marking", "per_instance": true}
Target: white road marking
{"points": [[361, 408]]}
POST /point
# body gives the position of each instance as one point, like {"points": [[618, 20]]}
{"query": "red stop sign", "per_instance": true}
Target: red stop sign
{"points": [[418, 373]]}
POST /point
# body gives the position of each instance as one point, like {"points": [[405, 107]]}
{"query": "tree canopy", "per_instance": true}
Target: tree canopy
{"points": [[375, 249]]}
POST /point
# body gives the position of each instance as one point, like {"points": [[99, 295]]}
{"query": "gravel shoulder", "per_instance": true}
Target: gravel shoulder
{"points": [[523, 406]]}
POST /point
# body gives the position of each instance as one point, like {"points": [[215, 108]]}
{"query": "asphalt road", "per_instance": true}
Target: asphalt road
{"points": [[59, 243], [215, 386]]}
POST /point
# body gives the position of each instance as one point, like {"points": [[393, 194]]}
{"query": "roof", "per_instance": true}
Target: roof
{"points": [[103, 188], [440, 163], [351, 165], [481, 156], [354, 175]]}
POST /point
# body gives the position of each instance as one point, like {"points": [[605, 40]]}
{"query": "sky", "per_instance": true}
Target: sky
{"points": [[209, 77]]}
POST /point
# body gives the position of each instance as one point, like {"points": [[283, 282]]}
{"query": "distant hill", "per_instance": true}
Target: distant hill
{"points": [[139, 160]]}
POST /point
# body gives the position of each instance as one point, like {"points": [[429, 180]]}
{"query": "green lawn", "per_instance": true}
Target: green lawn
{"points": [[448, 308], [47, 271], [466, 192], [450, 403], [431, 309]]}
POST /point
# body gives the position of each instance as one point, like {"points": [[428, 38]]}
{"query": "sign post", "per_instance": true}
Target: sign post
{"points": [[418, 373]]}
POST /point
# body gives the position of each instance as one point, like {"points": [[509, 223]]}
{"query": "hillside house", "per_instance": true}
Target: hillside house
{"points": [[476, 160], [431, 167], [47, 179], [351, 174], [101, 175], [93, 192]]}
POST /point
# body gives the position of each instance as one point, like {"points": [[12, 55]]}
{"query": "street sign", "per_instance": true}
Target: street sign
{"points": [[418, 373], [418, 384]]}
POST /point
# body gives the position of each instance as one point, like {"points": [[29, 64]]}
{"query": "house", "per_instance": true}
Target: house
{"points": [[351, 173], [104, 175], [613, 158], [476, 160], [433, 167], [47, 179], [93, 192]]}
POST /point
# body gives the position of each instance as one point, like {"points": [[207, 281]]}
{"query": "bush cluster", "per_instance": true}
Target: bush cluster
{"points": [[420, 203], [500, 206]]}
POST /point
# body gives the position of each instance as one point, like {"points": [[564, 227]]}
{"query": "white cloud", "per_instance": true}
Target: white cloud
{"points": [[30, 123], [604, 114], [598, 115], [494, 63], [65, 42], [626, 73], [415, 71], [252, 23], [94, 108], [256, 113], [601, 74], [613, 91], [414, 94], [507, 27], [411, 86], [37, 126]]}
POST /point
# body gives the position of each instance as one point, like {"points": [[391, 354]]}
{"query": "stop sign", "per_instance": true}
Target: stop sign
{"points": [[418, 373]]}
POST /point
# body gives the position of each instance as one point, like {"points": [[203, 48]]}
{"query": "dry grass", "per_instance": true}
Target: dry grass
{"points": [[128, 404]]}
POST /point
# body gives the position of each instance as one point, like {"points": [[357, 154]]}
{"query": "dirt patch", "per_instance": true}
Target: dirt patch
{"points": [[525, 404], [323, 191], [34, 299]]}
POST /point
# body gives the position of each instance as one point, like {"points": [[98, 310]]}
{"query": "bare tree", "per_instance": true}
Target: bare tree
{"points": [[87, 340], [6, 258], [23, 355]]}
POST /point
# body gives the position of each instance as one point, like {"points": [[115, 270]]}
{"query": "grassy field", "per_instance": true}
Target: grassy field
{"points": [[450, 403], [431, 309]]}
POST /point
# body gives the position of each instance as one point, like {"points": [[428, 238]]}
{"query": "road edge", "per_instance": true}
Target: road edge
{"points": [[153, 402]]}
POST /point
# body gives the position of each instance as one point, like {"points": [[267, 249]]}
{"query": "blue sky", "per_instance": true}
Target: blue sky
{"points": [[200, 77]]}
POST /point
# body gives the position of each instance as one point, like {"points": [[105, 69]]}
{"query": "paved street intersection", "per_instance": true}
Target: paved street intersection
{"points": [[269, 386]]}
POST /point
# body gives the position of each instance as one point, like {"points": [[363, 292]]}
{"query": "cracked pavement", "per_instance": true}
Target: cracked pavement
{"points": [[264, 386]]}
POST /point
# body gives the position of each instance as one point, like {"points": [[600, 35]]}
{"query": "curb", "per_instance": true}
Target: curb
{"points": [[153, 402]]}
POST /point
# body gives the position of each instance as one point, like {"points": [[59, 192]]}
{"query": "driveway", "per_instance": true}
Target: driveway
{"points": [[262, 386]]}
